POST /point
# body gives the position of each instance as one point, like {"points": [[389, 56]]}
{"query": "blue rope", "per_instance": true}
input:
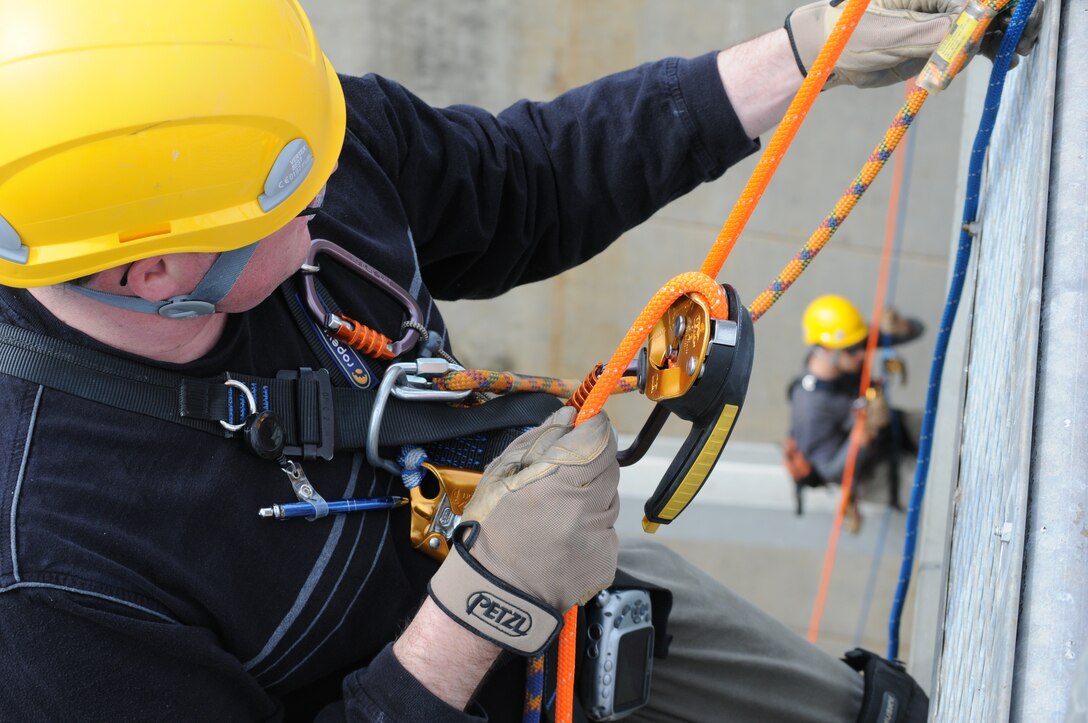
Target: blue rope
{"points": [[963, 256]]}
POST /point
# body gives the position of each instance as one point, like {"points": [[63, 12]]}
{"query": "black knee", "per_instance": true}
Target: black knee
{"points": [[891, 696]]}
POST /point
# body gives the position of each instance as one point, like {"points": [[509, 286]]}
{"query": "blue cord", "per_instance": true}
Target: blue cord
{"points": [[963, 256]]}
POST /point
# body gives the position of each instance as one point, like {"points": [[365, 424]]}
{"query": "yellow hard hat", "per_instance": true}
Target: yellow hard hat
{"points": [[133, 128], [833, 322]]}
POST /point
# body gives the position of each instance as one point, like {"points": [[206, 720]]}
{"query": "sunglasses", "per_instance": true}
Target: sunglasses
{"points": [[315, 205]]}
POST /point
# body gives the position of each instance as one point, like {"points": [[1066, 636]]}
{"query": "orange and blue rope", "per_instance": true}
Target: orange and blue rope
{"points": [[534, 688], [847, 482]]}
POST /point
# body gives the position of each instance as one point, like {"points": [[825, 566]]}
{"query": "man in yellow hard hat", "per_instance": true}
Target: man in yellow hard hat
{"points": [[825, 398], [173, 352]]}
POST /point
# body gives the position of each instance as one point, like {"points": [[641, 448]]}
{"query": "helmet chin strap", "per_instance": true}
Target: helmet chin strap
{"points": [[201, 301]]}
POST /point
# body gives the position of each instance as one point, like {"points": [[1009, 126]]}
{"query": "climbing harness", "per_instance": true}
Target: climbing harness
{"points": [[801, 472]]}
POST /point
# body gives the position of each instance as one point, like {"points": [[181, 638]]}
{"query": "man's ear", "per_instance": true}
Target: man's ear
{"points": [[160, 277]]}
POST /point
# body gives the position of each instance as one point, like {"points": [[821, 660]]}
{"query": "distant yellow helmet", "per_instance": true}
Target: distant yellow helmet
{"points": [[832, 321], [133, 128]]}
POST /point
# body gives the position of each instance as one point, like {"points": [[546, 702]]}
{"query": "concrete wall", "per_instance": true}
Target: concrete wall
{"points": [[492, 52]]}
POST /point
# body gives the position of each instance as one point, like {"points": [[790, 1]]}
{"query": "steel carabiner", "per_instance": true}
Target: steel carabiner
{"points": [[379, 345]]}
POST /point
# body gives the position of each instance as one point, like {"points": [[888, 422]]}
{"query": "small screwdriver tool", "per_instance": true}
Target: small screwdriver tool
{"points": [[306, 509]]}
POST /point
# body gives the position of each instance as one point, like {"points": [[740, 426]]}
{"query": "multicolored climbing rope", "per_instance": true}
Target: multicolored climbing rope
{"points": [[845, 205], [482, 380], [534, 689]]}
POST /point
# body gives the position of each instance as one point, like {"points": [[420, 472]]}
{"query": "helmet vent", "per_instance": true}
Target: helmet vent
{"points": [[11, 245], [287, 174]]}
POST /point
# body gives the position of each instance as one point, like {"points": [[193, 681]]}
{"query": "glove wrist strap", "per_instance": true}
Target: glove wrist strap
{"points": [[793, 47], [489, 607]]}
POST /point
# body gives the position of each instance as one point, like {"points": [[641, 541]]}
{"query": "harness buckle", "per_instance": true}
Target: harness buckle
{"points": [[316, 432]]}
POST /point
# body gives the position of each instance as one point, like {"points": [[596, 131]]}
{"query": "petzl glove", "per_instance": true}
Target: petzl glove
{"points": [[877, 414], [537, 535], [893, 40]]}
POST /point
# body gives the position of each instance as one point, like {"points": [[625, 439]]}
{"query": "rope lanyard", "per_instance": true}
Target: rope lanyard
{"points": [[963, 255], [483, 380]]}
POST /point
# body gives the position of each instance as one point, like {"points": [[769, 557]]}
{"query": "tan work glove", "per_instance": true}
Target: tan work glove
{"points": [[537, 535], [877, 414], [893, 40]]}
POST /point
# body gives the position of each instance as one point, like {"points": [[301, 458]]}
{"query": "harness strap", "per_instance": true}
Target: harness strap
{"points": [[318, 417]]}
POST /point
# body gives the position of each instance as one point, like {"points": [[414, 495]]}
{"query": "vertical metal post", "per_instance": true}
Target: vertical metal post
{"points": [[1053, 629]]}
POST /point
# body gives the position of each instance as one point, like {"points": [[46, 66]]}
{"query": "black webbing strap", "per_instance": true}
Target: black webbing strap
{"points": [[317, 416]]}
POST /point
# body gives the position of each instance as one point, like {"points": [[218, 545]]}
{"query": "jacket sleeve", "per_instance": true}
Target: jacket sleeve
{"points": [[499, 200], [385, 691]]}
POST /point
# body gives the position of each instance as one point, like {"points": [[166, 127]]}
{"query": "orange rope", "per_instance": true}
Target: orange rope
{"points": [[836, 527], [783, 136], [700, 282], [866, 371], [564, 679]]}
